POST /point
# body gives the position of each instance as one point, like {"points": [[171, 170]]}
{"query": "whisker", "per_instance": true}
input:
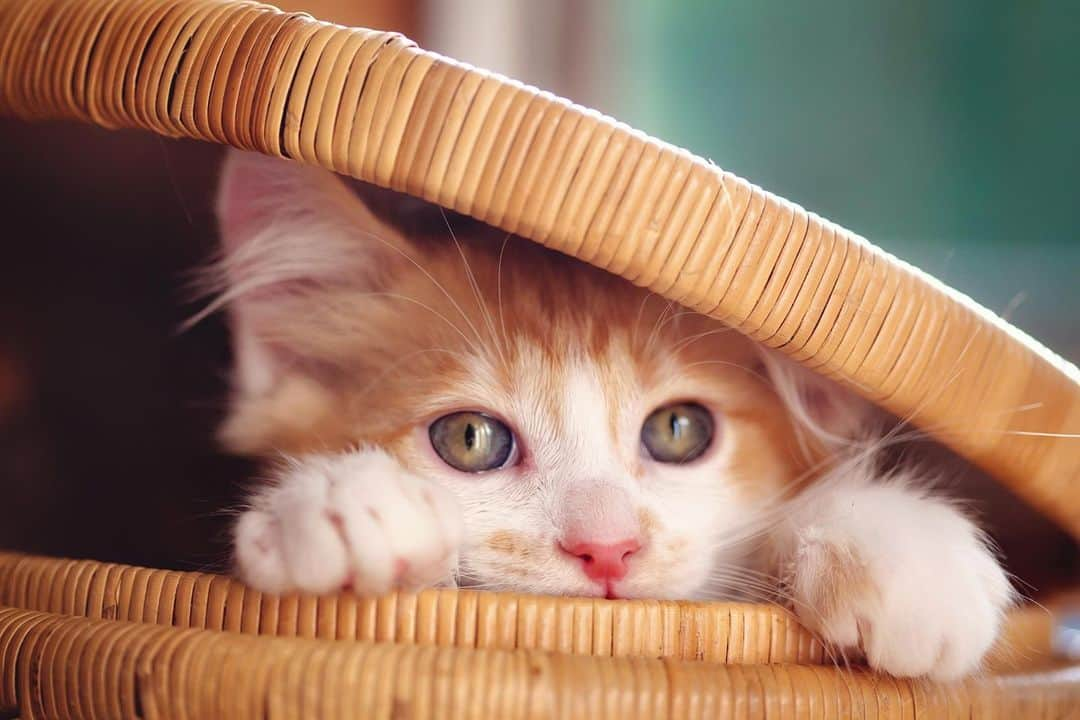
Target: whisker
{"points": [[432, 279], [397, 296], [654, 334], [685, 342], [399, 363], [1032, 433], [498, 284], [475, 286], [637, 321]]}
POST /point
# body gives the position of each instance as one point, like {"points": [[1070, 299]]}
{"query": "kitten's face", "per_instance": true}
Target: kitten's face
{"points": [[603, 424]]}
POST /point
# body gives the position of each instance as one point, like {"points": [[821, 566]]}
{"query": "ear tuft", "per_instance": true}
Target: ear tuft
{"points": [[825, 410], [282, 221]]}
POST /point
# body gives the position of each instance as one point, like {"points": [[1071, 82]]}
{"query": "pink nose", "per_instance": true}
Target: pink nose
{"points": [[603, 561]]}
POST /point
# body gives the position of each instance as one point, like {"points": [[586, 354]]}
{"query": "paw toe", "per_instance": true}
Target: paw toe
{"points": [[315, 554], [258, 558]]}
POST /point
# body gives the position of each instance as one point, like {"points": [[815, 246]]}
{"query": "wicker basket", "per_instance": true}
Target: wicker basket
{"points": [[87, 639], [80, 639]]}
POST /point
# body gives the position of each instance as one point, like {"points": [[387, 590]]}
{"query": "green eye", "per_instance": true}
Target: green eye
{"points": [[472, 442], [677, 433]]}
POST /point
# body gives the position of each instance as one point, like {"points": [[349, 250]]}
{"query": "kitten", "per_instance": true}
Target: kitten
{"points": [[487, 412]]}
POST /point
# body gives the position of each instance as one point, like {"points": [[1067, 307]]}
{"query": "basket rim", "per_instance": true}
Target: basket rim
{"points": [[53, 663], [159, 639]]}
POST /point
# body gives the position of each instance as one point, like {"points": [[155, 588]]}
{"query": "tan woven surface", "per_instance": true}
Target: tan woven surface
{"points": [[57, 666], [732, 633], [374, 106], [718, 632], [453, 654]]}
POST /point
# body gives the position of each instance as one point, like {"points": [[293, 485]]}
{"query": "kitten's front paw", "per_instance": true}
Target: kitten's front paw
{"points": [[356, 520], [926, 604]]}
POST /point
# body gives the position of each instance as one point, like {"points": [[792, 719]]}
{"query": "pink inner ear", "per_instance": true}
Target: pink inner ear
{"points": [[239, 208], [819, 404], [286, 226]]}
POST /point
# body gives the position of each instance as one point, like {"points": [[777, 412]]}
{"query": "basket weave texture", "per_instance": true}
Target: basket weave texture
{"points": [[82, 639], [88, 639]]}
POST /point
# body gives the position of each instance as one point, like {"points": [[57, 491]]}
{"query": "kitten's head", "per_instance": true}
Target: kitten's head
{"points": [[600, 440]]}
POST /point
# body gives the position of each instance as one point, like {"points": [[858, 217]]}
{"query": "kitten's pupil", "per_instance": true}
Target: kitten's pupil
{"points": [[678, 433], [472, 441]]}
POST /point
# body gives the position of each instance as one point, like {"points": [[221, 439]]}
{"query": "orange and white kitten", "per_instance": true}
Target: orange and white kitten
{"points": [[489, 413]]}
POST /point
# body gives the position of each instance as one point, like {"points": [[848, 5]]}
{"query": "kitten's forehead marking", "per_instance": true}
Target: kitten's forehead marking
{"points": [[585, 410], [570, 409]]}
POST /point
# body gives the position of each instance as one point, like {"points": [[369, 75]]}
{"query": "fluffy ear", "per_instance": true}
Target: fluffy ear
{"points": [[284, 223], [829, 413], [287, 231]]}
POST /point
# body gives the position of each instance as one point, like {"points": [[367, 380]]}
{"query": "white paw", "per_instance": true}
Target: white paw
{"points": [[910, 586], [356, 520]]}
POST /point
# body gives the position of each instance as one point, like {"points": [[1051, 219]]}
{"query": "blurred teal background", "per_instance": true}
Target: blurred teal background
{"points": [[945, 132]]}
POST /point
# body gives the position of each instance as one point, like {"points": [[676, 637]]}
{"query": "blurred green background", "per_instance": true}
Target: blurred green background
{"points": [[945, 132]]}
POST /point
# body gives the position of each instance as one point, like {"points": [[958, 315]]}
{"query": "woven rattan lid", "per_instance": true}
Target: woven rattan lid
{"points": [[374, 106]]}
